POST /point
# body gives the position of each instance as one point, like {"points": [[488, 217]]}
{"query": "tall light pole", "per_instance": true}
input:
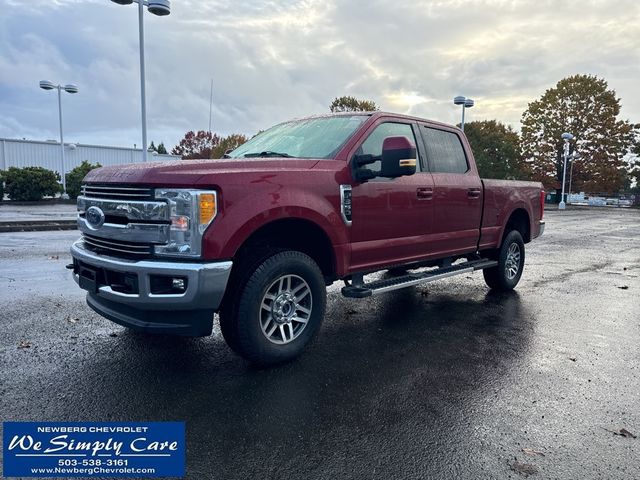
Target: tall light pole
{"points": [[574, 158], [70, 88], [466, 103], [567, 137], [160, 8], [210, 104]]}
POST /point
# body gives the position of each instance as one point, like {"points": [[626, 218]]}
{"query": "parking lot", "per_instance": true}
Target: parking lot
{"points": [[442, 381]]}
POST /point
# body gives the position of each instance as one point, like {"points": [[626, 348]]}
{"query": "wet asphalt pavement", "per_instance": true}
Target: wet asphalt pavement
{"points": [[441, 381]]}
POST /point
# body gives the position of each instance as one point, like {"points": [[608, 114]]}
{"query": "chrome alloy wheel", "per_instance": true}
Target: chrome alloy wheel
{"points": [[512, 263], [285, 309]]}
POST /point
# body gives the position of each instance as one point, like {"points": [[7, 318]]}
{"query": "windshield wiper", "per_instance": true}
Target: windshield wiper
{"points": [[267, 153]]}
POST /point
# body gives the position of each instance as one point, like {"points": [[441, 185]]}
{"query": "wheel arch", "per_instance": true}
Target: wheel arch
{"points": [[519, 220], [293, 233]]}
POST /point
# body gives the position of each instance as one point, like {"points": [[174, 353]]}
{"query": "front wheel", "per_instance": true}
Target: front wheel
{"points": [[278, 309], [510, 258]]}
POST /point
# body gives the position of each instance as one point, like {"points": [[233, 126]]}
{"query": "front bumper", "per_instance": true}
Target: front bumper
{"points": [[188, 313]]}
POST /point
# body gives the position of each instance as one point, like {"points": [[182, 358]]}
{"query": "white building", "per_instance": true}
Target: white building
{"points": [[33, 153]]}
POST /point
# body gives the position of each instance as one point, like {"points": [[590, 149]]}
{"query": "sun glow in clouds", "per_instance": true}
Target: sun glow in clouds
{"points": [[404, 101]]}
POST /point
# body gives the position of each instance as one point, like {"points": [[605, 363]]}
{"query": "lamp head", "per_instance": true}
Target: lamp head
{"points": [[459, 100], [123, 2], [468, 103], [159, 7], [47, 85], [71, 88]]}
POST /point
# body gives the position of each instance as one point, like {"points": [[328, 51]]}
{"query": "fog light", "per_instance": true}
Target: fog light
{"points": [[167, 285]]}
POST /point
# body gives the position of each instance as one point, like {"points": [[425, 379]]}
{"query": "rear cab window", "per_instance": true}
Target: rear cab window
{"points": [[444, 151]]}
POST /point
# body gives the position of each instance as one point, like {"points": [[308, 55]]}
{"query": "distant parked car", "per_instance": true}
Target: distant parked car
{"points": [[597, 202]]}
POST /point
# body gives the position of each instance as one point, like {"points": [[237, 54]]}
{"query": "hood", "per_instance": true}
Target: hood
{"points": [[189, 172]]}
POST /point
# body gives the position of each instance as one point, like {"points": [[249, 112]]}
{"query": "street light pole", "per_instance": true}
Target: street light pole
{"points": [[69, 88], [143, 92], [64, 176], [210, 104], [466, 103], [160, 8], [566, 137], [462, 122], [574, 158]]}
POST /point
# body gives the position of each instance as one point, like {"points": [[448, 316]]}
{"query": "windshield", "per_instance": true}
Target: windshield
{"points": [[309, 138]]}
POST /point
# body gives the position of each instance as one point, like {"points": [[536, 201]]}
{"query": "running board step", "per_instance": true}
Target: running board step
{"points": [[387, 285]]}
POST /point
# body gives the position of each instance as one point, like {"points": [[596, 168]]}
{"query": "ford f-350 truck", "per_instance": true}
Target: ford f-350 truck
{"points": [[257, 236]]}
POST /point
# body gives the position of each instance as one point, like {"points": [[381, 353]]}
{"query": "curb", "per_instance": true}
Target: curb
{"points": [[38, 225], [37, 203]]}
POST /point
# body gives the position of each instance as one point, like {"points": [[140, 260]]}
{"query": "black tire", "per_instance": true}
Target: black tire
{"points": [[510, 259], [239, 277], [267, 321]]}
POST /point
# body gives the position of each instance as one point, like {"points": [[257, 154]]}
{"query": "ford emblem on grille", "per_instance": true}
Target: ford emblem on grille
{"points": [[95, 217]]}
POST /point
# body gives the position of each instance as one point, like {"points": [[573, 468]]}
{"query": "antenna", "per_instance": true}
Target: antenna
{"points": [[210, 104]]}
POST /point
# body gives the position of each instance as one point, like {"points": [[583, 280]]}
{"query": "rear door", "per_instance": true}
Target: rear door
{"points": [[457, 191], [391, 217]]}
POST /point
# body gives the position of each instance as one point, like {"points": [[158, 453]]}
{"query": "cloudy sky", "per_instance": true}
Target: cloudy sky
{"points": [[274, 60]]}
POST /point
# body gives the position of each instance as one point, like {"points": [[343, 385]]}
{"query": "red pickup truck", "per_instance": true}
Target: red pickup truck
{"points": [[258, 235]]}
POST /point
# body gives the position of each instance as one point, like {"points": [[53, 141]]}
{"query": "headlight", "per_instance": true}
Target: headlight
{"points": [[192, 211]]}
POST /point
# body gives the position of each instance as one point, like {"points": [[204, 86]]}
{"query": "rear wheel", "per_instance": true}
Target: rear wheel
{"points": [[510, 259], [277, 309]]}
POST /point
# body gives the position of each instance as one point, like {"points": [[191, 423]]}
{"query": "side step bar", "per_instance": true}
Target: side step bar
{"points": [[363, 290]]}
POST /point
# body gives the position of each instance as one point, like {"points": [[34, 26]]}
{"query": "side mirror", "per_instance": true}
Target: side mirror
{"points": [[398, 157]]}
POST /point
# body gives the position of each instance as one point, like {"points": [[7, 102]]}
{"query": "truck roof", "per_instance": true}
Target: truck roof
{"points": [[376, 114]]}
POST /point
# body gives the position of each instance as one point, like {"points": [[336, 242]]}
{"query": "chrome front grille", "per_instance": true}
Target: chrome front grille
{"points": [[125, 221], [117, 192], [116, 248]]}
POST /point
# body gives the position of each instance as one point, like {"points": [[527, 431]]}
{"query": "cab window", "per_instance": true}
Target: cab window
{"points": [[444, 151], [373, 144]]}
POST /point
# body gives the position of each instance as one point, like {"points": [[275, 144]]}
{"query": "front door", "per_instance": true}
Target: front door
{"points": [[391, 217]]}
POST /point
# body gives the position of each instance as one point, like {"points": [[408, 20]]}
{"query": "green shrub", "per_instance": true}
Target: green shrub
{"points": [[1, 186], [31, 183], [75, 176]]}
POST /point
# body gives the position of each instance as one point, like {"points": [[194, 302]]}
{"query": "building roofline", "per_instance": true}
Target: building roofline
{"points": [[45, 142]]}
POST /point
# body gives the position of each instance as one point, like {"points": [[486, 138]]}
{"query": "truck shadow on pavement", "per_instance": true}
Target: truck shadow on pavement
{"points": [[379, 368]]}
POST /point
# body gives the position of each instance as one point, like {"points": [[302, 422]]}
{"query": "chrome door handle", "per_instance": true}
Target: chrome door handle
{"points": [[474, 193], [424, 193]]}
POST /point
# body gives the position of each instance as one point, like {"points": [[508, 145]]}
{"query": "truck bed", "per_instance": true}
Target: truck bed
{"points": [[501, 198]]}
